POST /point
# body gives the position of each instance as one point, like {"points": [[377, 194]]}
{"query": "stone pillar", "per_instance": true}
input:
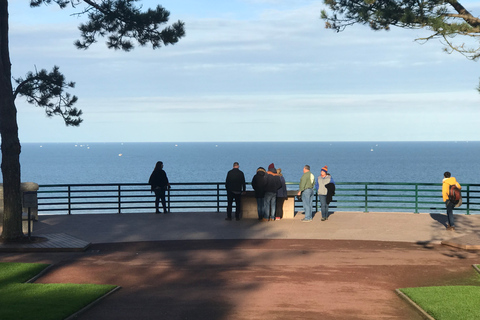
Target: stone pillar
{"points": [[29, 199]]}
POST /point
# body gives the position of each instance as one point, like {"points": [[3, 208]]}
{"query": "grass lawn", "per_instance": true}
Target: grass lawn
{"points": [[20, 300], [448, 302]]}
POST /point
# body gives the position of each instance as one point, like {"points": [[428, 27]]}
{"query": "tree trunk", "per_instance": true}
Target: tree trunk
{"points": [[12, 215]]}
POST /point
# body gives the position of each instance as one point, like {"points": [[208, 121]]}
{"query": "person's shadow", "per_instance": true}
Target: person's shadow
{"points": [[441, 218]]}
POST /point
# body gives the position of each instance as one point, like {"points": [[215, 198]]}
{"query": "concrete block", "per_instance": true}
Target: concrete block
{"points": [[249, 206]]}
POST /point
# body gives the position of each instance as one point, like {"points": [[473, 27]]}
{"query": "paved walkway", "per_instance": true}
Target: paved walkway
{"points": [[345, 268], [374, 226]]}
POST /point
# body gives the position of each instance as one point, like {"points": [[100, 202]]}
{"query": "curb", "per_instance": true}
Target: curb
{"points": [[41, 273], [422, 312], [469, 241], [55, 242], [476, 267], [452, 243], [92, 304], [88, 306]]}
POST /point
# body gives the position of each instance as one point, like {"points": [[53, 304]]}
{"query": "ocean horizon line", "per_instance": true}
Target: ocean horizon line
{"points": [[413, 161], [276, 141]]}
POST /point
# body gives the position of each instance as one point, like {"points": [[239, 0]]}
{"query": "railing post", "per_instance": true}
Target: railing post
{"points": [[69, 200], [218, 197], [168, 199], [119, 199], [416, 198], [468, 199], [366, 197]]}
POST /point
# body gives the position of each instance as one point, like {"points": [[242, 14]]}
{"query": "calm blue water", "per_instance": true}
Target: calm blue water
{"points": [[69, 163]]}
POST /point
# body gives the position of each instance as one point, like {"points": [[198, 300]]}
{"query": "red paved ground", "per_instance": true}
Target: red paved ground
{"points": [[257, 279]]}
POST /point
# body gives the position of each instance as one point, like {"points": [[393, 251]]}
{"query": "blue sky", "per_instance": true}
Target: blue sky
{"points": [[251, 70]]}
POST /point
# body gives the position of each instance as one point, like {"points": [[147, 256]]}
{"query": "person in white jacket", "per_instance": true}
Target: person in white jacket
{"points": [[323, 179]]}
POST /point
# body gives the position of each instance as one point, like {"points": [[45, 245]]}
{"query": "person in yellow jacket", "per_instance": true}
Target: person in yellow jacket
{"points": [[448, 180]]}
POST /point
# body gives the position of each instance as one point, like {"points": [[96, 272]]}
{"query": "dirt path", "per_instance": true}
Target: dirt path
{"points": [[257, 279]]}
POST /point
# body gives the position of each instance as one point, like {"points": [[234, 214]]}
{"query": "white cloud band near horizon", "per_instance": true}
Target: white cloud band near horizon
{"points": [[250, 71]]}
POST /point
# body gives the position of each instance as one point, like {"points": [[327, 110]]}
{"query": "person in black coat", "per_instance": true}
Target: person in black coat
{"points": [[259, 182], [282, 196], [235, 185], [273, 184], [159, 184]]}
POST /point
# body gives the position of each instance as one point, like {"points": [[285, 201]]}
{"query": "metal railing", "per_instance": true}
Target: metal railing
{"points": [[211, 197], [410, 197], [128, 198]]}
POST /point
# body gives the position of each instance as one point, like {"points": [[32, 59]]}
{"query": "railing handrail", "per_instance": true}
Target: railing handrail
{"points": [[134, 197]]}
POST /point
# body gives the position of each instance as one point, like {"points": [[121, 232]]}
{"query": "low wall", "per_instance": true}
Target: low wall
{"points": [[249, 205]]}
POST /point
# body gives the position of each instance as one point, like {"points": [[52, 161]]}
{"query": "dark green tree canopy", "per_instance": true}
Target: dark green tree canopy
{"points": [[122, 24], [47, 90], [446, 19]]}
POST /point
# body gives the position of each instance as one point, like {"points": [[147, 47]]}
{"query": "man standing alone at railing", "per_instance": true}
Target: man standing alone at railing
{"points": [[235, 185], [447, 182], [306, 191]]}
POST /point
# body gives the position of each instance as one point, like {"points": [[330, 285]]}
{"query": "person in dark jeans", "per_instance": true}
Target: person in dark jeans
{"points": [[271, 188], [259, 182], [235, 185], [281, 196], [307, 182], [448, 180], [159, 184], [321, 185]]}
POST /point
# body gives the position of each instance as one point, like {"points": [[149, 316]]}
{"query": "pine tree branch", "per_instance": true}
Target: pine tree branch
{"points": [[464, 13]]}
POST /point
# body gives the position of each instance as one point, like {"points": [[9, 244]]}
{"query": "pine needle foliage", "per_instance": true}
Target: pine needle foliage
{"points": [[445, 19]]}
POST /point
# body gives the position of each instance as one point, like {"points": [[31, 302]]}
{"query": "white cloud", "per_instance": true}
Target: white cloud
{"points": [[259, 68]]}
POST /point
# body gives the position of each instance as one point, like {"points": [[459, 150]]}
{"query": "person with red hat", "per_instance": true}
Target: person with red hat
{"points": [[321, 185]]}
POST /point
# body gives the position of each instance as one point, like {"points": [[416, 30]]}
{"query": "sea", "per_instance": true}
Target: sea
{"points": [[99, 163]]}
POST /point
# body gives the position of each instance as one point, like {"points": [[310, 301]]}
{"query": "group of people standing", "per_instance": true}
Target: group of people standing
{"points": [[325, 187], [271, 192]]}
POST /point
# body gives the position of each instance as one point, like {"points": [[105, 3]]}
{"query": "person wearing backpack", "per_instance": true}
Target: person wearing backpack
{"points": [[448, 198]]}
